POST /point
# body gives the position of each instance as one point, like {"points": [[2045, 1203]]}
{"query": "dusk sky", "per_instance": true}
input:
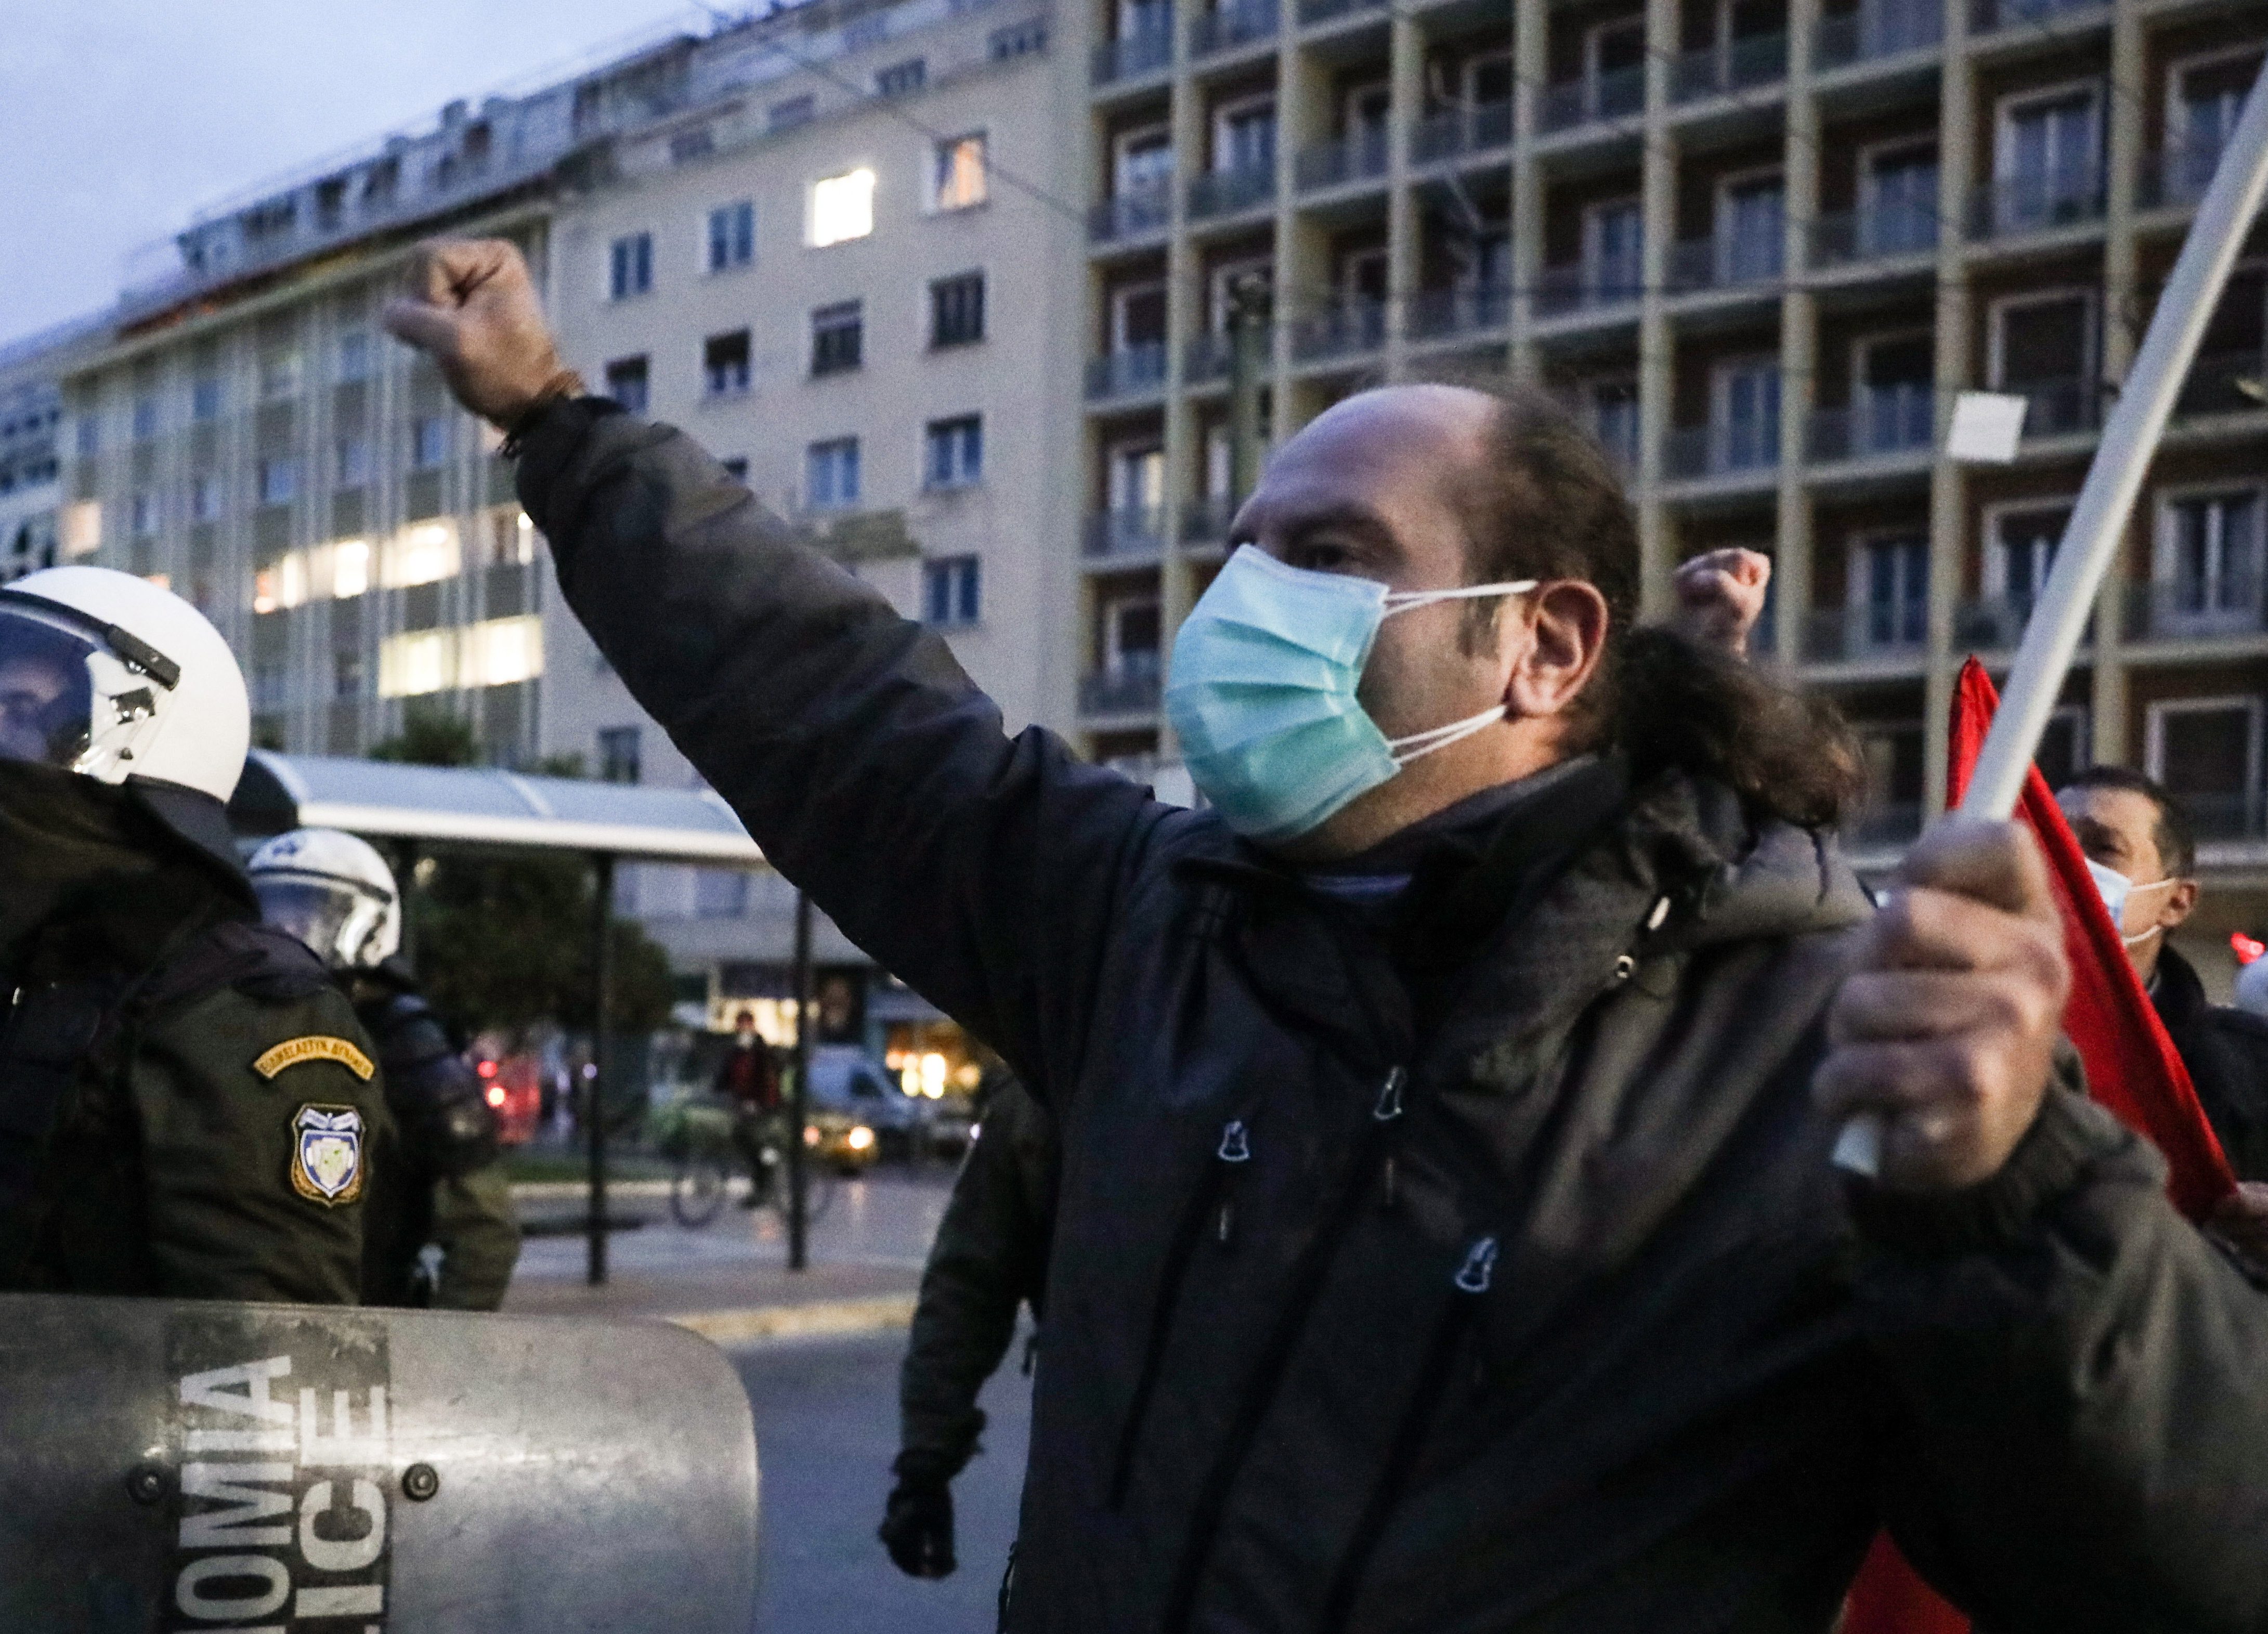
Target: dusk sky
{"points": [[118, 119]]}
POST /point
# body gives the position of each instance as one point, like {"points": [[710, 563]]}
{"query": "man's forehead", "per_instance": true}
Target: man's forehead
{"points": [[1377, 450]]}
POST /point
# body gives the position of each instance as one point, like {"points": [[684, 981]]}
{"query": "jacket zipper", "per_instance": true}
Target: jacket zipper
{"points": [[1212, 1201], [1261, 1385]]}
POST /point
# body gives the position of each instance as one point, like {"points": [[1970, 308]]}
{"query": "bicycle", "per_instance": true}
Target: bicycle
{"points": [[697, 1133]]}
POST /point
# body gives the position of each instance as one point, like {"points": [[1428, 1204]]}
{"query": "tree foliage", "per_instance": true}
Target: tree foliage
{"points": [[504, 942]]}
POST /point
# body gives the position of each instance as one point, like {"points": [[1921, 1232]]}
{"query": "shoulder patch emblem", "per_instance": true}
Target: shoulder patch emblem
{"points": [[326, 1154], [314, 1046]]}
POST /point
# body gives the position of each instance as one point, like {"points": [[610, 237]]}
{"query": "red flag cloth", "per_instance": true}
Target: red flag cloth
{"points": [[2132, 1068]]}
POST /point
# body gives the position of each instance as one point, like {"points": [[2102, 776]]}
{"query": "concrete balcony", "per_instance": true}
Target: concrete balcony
{"points": [[1358, 156], [1705, 453], [2029, 205], [1876, 31], [1442, 314], [1242, 23], [1210, 356], [1725, 261], [2060, 408], [1886, 421], [1131, 688], [2225, 383], [1738, 64], [1890, 632], [1596, 98], [1134, 57], [1586, 287], [1205, 522], [1987, 16], [1315, 13], [1845, 237], [1461, 132], [1130, 372], [1129, 216], [1130, 533], [1346, 328], [2176, 177], [1231, 192], [2194, 609]]}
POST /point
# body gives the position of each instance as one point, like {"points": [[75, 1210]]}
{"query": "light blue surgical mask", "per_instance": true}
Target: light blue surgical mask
{"points": [[1262, 693], [2115, 888]]}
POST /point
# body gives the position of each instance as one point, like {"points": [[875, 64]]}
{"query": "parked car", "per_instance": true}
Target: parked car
{"points": [[847, 1082]]}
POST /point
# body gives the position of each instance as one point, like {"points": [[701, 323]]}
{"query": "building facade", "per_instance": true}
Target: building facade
{"points": [[1759, 245]]}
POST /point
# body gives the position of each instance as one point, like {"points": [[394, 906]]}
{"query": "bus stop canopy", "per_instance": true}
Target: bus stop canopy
{"points": [[484, 805]]}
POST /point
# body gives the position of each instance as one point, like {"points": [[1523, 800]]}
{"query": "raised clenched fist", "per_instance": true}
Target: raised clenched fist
{"points": [[469, 305], [1720, 596]]}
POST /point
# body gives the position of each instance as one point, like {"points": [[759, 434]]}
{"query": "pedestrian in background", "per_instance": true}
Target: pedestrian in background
{"points": [[749, 1077]]}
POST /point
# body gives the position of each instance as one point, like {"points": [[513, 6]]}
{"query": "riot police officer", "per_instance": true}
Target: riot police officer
{"points": [[187, 1107], [445, 1234]]}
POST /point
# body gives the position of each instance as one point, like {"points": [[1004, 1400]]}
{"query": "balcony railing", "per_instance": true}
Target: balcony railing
{"points": [[1475, 129], [1725, 262], [1586, 287], [1314, 11], [1984, 16], [2176, 176], [1738, 64], [1887, 420], [1695, 452], [1226, 192], [1227, 26], [1131, 689], [1889, 630], [1615, 94], [2060, 408], [1135, 55], [1340, 330], [1358, 156], [1122, 373], [1875, 31], [1205, 521], [1436, 314], [1129, 531], [1208, 357], [2226, 383], [1129, 215], [2192, 609], [1844, 237], [2035, 204]]}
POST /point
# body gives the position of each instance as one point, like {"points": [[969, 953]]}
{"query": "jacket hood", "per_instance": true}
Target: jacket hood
{"points": [[1773, 880]]}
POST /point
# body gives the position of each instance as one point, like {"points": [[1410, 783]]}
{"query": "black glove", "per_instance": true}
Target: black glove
{"points": [[918, 1527]]}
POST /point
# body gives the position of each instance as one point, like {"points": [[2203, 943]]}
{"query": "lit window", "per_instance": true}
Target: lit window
{"points": [[952, 590], [954, 452], [501, 652], [423, 554], [263, 591], [732, 236], [428, 441], [831, 474], [959, 172], [349, 568], [842, 207], [630, 265], [413, 664]]}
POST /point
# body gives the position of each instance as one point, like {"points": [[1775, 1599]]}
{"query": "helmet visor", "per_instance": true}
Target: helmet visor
{"points": [[318, 914], [47, 689]]}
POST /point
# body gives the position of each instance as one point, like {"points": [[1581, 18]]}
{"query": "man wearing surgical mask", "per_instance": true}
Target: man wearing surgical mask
{"points": [[1447, 1236], [2141, 850]]}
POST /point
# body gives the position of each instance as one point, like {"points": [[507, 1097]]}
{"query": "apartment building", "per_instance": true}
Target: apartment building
{"points": [[848, 275], [1759, 245]]}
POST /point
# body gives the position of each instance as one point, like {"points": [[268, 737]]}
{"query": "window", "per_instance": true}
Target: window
{"points": [[2043, 349], [687, 145], [736, 468], [204, 398], [626, 383], [353, 467], [1896, 397], [2210, 559], [732, 236], [1017, 40], [144, 511], [354, 355], [1144, 162], [2202, 112], [1891, 758], [346, 675], [204, 498], [837, 337], [952, 590], [1899, 199], [1748, 415], [899, 78], [145, 418], [788, 115], [428, 441], [959, 172], [1613, 420], [830, 475], [1136, 476], [1614, 250], [2024, 549], [1751, 228], [956, 309], [720, 893], [279, 375], [618, 753], [1131, 629], [725, 364], [2206, 751], [954, 452], [279, 479], [1889, 590], [861, 33], [842, 207], [1244, 135], [2048, 162], [630, 269]]}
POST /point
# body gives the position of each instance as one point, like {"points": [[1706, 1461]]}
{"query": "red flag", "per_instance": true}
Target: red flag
{"points": [[2132, 1068]]}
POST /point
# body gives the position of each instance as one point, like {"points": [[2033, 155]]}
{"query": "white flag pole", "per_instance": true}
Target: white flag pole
{"points": [[2090, 541]]}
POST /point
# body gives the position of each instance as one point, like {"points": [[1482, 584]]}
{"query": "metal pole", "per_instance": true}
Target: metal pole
{"points": [[797, 1245], [2106, 500], [594, 1104]]}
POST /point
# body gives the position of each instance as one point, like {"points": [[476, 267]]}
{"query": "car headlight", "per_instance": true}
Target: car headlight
{"points": [[860, 1138], [810, 1134]]}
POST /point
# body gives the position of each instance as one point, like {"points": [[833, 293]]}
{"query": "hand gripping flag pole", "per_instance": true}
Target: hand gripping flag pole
{"points": [[2090, 541]]}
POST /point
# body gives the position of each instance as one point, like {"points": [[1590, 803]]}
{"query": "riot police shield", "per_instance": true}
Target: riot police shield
{"points": [[175, 1465]]}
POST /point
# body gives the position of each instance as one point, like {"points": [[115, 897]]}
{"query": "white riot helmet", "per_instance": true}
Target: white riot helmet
{"points": [[332, 891], [2252, 989], [107, 675]]}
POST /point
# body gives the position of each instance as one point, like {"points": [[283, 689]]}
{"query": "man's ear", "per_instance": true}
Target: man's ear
{"points": [[1566, 623], [2181, 902]]}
